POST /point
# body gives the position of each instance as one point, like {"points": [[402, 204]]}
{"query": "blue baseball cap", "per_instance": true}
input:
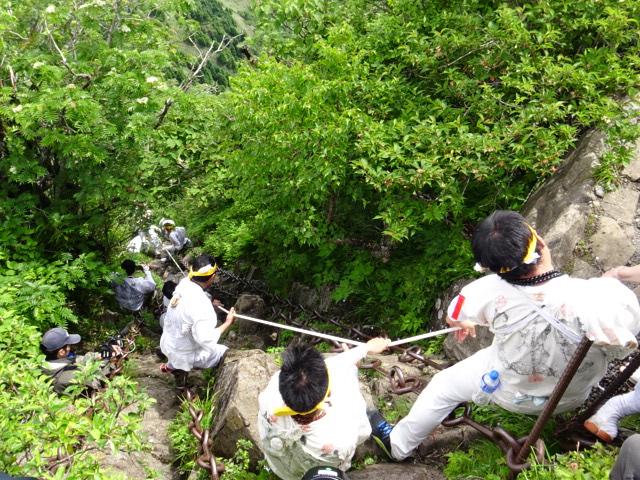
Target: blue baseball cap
{"points": [[57, 338]]}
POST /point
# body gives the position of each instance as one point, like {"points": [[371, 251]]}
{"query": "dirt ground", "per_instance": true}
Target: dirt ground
{"points": [[144, 367], [155, 423]]}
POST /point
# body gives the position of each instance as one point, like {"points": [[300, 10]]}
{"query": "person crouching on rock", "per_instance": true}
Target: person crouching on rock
{"points": [[190, 336]]}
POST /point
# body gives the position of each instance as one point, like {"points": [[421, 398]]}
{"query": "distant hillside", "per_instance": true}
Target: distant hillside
{"points": [[241, 14], [217, 20]]}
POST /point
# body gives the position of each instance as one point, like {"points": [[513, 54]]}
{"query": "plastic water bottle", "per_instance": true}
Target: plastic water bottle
{"points": [[488, 384]]}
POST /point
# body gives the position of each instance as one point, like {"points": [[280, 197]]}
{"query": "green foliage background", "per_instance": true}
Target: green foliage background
{"points": [[92, 127], [355, 152], [370, 136]]}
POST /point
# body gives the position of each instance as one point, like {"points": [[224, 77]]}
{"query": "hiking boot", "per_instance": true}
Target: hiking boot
{"points": [[380, 431]]}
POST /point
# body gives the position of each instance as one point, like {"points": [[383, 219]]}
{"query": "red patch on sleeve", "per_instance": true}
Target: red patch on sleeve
{"points": [[457, 308]]}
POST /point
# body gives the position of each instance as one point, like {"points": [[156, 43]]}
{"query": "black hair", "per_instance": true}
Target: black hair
{"points": [[199, 262], [128, 266], [168, 288], [501, 241], [50, 354], [303, 378]]}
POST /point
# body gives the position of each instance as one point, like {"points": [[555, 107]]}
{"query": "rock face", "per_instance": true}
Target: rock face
{"points": [[394, 471], [560, 209], [587, 229], [251, 306], [240, 378], [251, 335]]}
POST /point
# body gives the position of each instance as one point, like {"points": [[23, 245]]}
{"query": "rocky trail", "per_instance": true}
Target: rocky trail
{"points": [[144, 366], [155, 424], [157, 461]]}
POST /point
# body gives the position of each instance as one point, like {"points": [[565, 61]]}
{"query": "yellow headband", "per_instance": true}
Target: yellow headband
{"points": [[285, 411], [529, 257], [204, 271], [531, 249]]}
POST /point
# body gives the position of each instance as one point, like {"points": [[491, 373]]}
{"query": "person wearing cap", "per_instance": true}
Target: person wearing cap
{"points": [[132, 292], [190, 336], [62, 365], [538, 317], [176, 235], [312, 412]]}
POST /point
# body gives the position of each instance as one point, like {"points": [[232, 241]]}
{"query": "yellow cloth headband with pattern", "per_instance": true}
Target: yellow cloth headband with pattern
{"points": [[204, 271], [285, 411]]}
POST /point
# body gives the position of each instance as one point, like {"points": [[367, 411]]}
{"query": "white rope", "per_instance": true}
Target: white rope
{"points": [[324, 335], [174, 260], [299, 330], [425, 335], [339, 339]]}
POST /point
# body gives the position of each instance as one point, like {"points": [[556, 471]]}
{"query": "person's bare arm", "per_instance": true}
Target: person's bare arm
{"points": [[231, 316], [624, 274], [377, 345], [466, 328]]}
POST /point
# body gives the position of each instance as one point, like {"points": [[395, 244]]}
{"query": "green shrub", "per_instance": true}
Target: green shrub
{"points": [[484, 459], [590, 464], [46, 293], [35, 422]]}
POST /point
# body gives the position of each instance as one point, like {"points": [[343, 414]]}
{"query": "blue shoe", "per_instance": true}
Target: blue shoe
{"points": [[380, 431]]}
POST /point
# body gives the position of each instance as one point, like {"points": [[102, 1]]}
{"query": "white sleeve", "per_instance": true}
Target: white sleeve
{"points": [[148, 283], [348, 358], [613, 315]]}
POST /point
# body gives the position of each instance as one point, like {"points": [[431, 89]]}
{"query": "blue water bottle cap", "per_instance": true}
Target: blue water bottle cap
{"points": [[493, 374]]}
